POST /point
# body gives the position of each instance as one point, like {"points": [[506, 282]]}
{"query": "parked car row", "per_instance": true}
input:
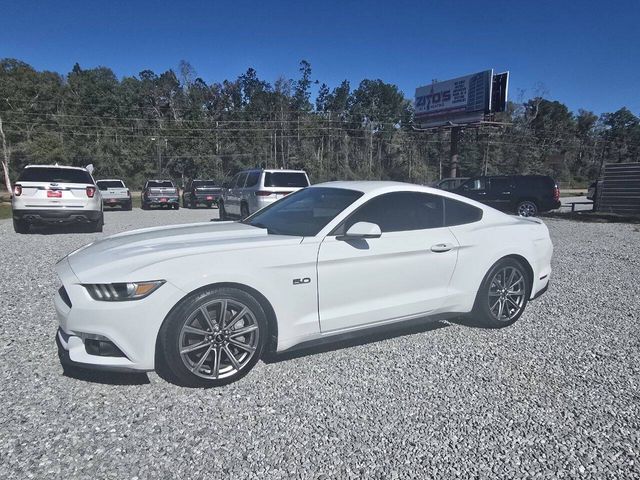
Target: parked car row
{"points": [[54, 194]]}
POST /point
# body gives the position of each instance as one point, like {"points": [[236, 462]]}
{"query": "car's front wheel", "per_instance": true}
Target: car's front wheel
{"points": [[212, 338], [503, 295]]}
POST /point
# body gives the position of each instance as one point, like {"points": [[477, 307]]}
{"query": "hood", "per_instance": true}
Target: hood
{"points": [[120, 256]]}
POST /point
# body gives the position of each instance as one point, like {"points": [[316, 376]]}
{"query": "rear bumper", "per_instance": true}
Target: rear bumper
{"points": [[108, 202], [547, 206], [57, 216], [158, 201], [201, 198]]}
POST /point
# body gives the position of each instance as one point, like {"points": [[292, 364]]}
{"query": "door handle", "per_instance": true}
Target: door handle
{"points": [[441, 247]]}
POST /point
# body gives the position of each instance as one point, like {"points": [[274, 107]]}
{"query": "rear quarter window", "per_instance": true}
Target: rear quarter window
{"points": [[55, 175], [460, 213]]}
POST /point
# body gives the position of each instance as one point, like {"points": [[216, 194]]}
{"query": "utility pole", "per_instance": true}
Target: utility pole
{"points": [[455, 137]]}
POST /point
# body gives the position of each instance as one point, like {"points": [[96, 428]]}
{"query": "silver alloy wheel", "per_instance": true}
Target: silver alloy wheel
{"points": [[507, 292], [527, 209], [218, 339]]}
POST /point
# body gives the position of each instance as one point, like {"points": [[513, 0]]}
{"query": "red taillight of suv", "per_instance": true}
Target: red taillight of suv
{"points": [[556, 193], [91, 191], [263, 193], [17, 190]]}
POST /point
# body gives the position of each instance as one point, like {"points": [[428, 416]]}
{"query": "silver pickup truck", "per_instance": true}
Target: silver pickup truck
{"points": [[114, 193], [160, 193]]}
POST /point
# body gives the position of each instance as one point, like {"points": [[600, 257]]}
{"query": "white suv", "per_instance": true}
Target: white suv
{"points": [[251, 190], [53, 194]]}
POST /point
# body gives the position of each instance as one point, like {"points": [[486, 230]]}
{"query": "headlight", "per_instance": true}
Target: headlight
{"points": [[118, 292]]}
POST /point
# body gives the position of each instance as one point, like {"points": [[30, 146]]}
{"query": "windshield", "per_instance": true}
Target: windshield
{"points": [[204, 184], [55, 175], [305, 212], [285, 179], [106, 184], [159, 183]]}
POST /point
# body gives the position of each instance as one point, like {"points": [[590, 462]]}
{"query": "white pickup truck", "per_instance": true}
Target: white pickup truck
{"points": [[114, 193]]}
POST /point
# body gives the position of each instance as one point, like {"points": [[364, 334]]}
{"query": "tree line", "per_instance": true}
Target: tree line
{"points": [[175, 124]]}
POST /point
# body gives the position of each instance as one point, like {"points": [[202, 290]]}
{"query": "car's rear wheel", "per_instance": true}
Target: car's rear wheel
{"points": [[527, 208], [212, 338], [244, 211], [503, 294], [20, 226], [97, 225], [222, 212], [128, 206], [144, 206]]}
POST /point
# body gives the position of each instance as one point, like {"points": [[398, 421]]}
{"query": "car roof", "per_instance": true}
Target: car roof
{"points": [[271, 170], [68, 167], [110, 180], [371, 186], [159, 180]]}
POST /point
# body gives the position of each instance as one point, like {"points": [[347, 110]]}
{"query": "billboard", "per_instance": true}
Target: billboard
{"points": [[460, 100]]}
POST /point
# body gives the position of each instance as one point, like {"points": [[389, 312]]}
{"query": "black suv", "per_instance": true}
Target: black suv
{"points": [[201, 192], [526, 195]]}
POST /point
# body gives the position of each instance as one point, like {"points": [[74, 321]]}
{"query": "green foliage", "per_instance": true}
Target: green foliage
{"points": [[124, 126]]}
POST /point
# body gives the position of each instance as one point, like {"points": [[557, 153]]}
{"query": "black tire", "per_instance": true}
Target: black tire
{"points": [[144, 206], [176, 206], [98, 225], [222, 212], [527, 208], [482, 310], [186, 204], [209, 205], [244, 211], [20, 226], [172, 366], [128, 207]]}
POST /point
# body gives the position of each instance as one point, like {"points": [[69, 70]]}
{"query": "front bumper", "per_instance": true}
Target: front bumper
{"points": [[132, 326], [57, 216]]}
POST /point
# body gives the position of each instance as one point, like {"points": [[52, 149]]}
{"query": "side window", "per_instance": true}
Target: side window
{"points": [[240, 180], [401, 211], [252, 179], [459, 213], [500, 185], [475, 184]]}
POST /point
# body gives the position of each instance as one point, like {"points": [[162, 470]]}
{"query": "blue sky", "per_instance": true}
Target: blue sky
{"points": [[586, 53]]}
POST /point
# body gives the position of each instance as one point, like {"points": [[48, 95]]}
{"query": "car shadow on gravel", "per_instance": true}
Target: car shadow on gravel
{"points": [[352, 339], [106, 378]]}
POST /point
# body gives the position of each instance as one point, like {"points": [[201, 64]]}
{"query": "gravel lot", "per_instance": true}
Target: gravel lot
{"points": [[555, 396]]}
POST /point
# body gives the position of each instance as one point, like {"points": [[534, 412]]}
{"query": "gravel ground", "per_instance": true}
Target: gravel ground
{"points": [[554, 396]]}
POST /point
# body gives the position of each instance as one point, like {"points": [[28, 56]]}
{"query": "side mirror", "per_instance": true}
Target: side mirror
{"points": [[361, 230]]}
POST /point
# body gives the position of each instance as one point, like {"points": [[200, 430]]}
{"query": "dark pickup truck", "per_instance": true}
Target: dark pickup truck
{"points": [[201, 192], [160, 193]]}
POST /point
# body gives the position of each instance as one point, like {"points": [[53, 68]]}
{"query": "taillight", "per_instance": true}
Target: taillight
{"points": [[263, 193], [17, 190], [556, 193], [91, 191], [128, 194]]}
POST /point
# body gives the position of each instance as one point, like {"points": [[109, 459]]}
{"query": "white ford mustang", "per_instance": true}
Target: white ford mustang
{"points": [[202, 302]]}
